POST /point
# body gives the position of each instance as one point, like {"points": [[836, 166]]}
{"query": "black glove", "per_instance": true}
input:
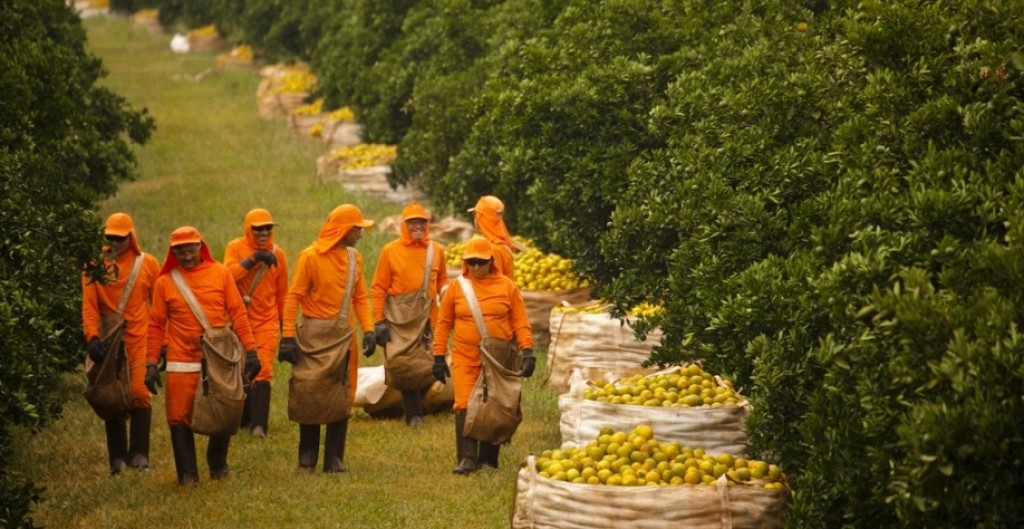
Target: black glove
{"points": [[381, 333], [288, 351], [96, 350], [252, 364], [369, 344], [152, 377], [529, 363], [441, 370], [266, 256], [248, 263], [161, 362]]}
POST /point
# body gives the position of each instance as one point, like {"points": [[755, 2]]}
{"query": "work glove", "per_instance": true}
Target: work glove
{"points": [[252, 364], [288, 351], [161, 361], [152, 377], [266, 256], [381, 333], [529, 363], [369, 344], [96, 349], [248, 263], [441, 371], [428, 334]]}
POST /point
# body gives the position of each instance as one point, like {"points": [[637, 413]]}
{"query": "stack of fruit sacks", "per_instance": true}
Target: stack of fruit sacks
{"points": [[586, 337], [284, 88], [684, 404], [620, 479], [302, 119], [206, 38], [338, 129], [239, 56]]}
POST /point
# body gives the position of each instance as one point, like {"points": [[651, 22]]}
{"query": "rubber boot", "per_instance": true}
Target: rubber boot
{"points": [[246, 422], [489, 454], [309, 448], [117, 445], [259, 396], [412, 404], [217, 456], [183, 444], [334, 446], [138, 450], [466, 448]]}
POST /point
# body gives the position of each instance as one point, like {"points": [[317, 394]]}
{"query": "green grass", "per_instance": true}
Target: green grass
{"points": [[212, 159]]}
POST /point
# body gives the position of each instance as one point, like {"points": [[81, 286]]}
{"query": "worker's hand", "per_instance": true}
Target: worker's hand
{"points": [[265, 256], [252, 365], [152, 377], [248, 263], [96, 350], [529, 363], [381, 333], [441, 371], [369, 344], [288, 351]]}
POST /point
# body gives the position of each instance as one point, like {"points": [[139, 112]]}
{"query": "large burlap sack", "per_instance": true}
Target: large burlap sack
{"points": [[220, 391], [301, 125], [494, 413], [108, 388], [319, 388], [545, 503], [538, 309], [341, 134], [408, 358], [378, 400], [600, 346], [716, 430]]}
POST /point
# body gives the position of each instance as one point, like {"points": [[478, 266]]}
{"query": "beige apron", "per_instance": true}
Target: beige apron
{"points": [[493, 413], [408, 359], [108, 387], [318, 392], [220, 393]]}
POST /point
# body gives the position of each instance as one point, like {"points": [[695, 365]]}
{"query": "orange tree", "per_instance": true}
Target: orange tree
{"points": [[64, 144]]}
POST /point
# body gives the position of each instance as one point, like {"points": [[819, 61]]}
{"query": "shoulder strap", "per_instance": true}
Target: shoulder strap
{"points": [[430, 263], [474, 305], [256, 280], [190, 298], [349, 284], [123, 302]]}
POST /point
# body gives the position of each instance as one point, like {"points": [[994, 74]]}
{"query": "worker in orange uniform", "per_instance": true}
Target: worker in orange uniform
{"points": [[123, 259], [261, 275], [172, 322], [488, 217], [405, 289], [504, 314], [319, 288]]}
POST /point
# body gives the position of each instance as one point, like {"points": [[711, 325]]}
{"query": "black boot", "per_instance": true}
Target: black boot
{"points": [[334, 446], [259, 400], [309, 447], [412, 403], [466, 448], [246, 422], [183, 444], [138, 450], [217, 456], [489, 455], [117, 445]]}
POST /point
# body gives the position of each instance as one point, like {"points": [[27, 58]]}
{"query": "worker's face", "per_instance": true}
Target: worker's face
{"points": [[417, 228], [262, 234], [480, 268], [352, 237], [188, 255], [118, 244]]}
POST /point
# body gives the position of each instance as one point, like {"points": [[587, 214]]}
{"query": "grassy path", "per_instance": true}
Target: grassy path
{"points": [[211, 160]]}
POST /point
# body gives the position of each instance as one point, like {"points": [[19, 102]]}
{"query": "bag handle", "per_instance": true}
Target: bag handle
{"points": [[430, 263], [190, 299], [474, 306], [128, 287]]}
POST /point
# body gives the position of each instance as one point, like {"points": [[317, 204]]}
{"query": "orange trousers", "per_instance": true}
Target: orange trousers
{"points": [[266, 347], [135, 351], [463, 379], [181, 396]]}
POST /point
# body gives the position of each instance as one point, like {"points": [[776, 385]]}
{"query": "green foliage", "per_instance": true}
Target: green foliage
{"points": [[62, 147]]}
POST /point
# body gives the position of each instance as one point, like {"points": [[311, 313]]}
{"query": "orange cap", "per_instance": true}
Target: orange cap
{"points": [[185, 235], [349, 214], [415, 211], [118, 225], [489, 203], [478, 248], [259, 217]]}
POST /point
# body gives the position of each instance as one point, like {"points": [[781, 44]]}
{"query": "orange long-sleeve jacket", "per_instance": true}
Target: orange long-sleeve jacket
{"points": [[400, 267], [267, 301], [100, 299], [171, 320], [319, 288], [504, 313]]}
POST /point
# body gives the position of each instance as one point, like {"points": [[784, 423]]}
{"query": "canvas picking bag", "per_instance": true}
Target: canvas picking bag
{"points": [[318, 392], [108, 387], [220, 392], [494, 412], [408, 359]]}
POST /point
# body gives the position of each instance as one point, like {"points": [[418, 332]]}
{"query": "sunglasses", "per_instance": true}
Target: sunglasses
{"points": [[262, 228], [477, 262], [116, 238]]}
